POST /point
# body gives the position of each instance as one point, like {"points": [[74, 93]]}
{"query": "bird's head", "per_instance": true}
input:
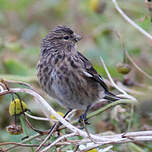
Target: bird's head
{"points": [[62, 34]]}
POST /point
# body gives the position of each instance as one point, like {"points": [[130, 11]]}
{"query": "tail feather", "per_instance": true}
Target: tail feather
{"points": [[111, 97]]}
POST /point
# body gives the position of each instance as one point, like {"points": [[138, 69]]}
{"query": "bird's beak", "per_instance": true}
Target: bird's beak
{"points": [[77, 37]]}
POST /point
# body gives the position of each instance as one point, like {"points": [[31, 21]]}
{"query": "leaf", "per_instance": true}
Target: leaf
{"points": [[112, 70], [12, 66], [146, 23]]}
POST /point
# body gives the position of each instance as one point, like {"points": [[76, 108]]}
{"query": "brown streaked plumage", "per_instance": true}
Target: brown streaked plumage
{"points": [[66, 75]]}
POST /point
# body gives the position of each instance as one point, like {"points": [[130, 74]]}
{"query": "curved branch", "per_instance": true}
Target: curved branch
{"points": [[36, 118], [48, 110]]}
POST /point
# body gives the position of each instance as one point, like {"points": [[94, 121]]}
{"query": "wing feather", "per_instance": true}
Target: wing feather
{"points": [[91, 72]]}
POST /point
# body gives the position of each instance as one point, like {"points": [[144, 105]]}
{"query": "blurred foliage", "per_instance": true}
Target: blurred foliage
{"points": [[23, 24]]}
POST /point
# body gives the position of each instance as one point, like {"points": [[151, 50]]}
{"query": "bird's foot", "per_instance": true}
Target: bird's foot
{"points": [[83, 118]]}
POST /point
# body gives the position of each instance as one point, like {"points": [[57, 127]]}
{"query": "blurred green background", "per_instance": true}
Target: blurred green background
{"points": [[23, 24]]}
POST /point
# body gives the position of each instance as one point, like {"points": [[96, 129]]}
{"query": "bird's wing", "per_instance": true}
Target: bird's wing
{"points": [[89, 71]]}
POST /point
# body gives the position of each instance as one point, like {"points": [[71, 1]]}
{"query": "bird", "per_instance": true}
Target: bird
{"points": [[67, 75]]}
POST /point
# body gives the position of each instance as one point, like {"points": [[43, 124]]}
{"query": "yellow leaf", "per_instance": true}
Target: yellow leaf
{"points": [[20, 107], [93, 150], [54, 118]]}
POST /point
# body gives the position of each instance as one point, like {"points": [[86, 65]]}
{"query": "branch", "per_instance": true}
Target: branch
{"points": [[100, 140], [136, 66], [131, 21], [36, 118], [109, 106], [24, 141], [57, 140], [48, 110]]}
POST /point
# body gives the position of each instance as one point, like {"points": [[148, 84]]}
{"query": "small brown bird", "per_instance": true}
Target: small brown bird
{"points": [[66, 75]]}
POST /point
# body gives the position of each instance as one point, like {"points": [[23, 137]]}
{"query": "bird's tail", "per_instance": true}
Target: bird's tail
{"points": [[111, 97]]}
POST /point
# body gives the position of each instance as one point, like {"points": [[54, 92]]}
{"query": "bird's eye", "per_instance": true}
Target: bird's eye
{"points": [[66, 37]]}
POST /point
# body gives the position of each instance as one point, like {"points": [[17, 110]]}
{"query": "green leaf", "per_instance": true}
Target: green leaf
{"points": [[12, 66], [112, 70], [146, 24]]}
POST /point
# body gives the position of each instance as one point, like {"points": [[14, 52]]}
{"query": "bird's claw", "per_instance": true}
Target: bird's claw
{"points": [[83, 118]]}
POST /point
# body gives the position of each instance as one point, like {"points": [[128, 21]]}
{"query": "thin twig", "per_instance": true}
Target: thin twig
{"points": [[47, 138], [20, 83], [129, 90], [136, 66], [30, 125], [54, 127], [88, 132], [36, 118], [20, 144], [130, 58], [26, 140], [131, 21], [57, 140], [97, 112], [113, 139]]}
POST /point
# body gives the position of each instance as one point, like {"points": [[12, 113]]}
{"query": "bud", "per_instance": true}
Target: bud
{"points": [[123, 68]]}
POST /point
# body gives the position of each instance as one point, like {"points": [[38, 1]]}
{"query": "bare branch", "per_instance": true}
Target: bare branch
{"points": [[24, 141], [100, 140], [36, 118], [57, 140], [136, 66]]}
